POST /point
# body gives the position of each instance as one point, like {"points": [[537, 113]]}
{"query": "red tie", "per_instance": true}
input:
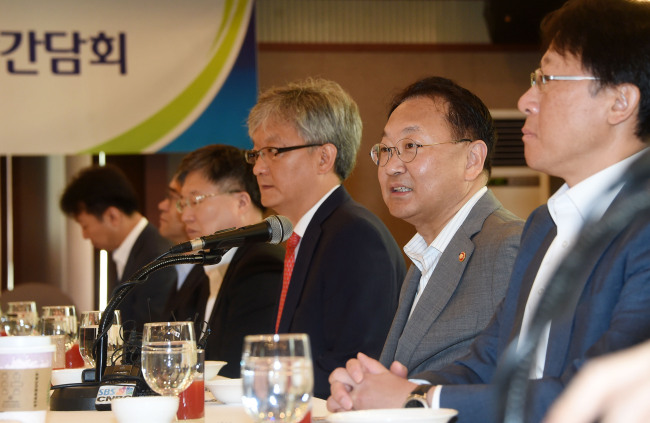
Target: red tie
{"points": [[289, 261]]}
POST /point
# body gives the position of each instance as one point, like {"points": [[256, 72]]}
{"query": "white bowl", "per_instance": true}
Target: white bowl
{"points": [[145, 409], [226, 390], [394, 415], [211, 369], [65, 376]]}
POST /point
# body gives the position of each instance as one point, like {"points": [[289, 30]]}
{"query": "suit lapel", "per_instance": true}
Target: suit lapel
{"points": [[444, 280], [409, 288], [306, 250], [562, 325], [436, 295], [545, 231], [130, 267], [220, 301]]}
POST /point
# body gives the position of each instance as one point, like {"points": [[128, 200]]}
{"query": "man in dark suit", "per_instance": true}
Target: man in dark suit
{"points": [[192, 286], [587, 120], [103, 202], [219, 191], [343, 269]]}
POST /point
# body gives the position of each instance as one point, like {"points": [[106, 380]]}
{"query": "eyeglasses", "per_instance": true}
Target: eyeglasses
{"points": [[406, 149], [197, 199], [269, 153], [538, 79]]}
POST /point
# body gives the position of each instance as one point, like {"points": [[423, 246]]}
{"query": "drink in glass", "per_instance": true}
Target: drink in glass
{"points": [[278, 377]]}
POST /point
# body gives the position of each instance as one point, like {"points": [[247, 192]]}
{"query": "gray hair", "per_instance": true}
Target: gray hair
{"points": [[320, 110]]}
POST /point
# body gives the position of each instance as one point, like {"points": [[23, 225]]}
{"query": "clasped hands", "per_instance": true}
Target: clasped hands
{"points": [[365, 383]]}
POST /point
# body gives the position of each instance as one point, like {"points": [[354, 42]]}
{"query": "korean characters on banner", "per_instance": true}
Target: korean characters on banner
{"points": [[68, 52]]}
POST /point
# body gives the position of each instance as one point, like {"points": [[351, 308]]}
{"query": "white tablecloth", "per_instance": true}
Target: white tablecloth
{"points": [[214, 413]]}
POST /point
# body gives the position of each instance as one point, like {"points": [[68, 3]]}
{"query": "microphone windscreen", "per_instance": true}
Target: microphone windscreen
{"points": [[281, 228]]}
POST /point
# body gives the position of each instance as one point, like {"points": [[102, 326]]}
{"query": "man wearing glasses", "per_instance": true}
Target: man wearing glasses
{"points": [[219, 191], [343, 269], [434, 162], [587, 121], [187, 301]]}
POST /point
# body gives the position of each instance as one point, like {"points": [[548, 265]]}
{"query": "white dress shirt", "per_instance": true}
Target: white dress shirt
{"points": [[425, 257], [216, 273], [121, 254], [569, 208], [302, 224]]}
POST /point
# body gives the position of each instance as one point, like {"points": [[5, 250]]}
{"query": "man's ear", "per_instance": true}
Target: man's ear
{"points": [[243, 199], [112, 216], [327, 158], [625, 104], [476, 154]]}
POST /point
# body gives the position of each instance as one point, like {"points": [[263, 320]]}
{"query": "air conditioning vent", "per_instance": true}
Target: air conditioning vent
{"points": [[509, 149]]}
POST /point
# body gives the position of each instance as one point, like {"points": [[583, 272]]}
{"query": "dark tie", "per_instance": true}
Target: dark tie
{"points": [[289, 261]]}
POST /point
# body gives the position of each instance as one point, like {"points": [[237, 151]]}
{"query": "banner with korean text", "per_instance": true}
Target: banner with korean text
{"points": [[125, 76]]}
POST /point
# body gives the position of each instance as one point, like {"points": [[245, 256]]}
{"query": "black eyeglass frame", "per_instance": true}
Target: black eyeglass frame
{"points": [[251, 155]]}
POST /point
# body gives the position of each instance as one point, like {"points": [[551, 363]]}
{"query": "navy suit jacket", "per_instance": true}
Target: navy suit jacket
{"points": [[612, 313], [344, 287], [146, 302], [246, 303]]}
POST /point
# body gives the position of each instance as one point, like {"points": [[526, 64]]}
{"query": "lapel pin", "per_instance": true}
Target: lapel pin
{"points": [[461, 256]]}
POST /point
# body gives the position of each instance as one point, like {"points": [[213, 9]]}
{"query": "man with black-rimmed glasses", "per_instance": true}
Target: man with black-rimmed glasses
{"points": [[343, 269]]}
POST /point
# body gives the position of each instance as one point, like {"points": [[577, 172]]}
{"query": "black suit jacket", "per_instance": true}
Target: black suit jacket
{"points": [[146, 302], [246, 303], [188, 302], [345, 285]]}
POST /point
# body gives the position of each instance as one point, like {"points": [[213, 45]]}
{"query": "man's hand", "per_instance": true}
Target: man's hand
{"points": [[366, 383]]}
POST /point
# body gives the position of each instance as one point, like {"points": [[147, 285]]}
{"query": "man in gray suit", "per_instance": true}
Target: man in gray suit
{"points": [[434, 162]]}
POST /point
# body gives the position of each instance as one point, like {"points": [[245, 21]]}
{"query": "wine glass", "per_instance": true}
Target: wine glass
{"points": [[278, 377], [88, 328], [168, 356]]}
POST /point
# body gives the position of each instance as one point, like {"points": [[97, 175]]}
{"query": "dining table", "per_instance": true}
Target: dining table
{"points": [[215, 412]]}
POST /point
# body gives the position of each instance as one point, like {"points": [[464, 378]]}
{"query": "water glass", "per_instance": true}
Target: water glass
{"points": [[168, 356], [278, 377], [21, 318], [88, 328]]}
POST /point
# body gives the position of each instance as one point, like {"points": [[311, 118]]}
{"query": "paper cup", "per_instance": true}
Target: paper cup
{"points": [[25, 370]]}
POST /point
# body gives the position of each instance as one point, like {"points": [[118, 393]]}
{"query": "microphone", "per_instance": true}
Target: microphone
{"points": [[274, 230]]}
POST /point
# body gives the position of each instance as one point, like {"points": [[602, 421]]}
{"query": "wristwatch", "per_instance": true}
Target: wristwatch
{"points": [[418, 397]]}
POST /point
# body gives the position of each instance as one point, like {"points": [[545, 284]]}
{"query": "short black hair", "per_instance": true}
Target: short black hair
{"points": [[225, 165], [612, 40], [96, 188], [467, 115]]}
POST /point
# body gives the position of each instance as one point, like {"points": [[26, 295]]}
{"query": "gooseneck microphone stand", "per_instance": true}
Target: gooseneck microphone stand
{"points": [[81, 396], [100, 347]]}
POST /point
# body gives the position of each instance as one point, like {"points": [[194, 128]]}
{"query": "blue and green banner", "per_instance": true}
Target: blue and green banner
{"points": [[125, 76]]}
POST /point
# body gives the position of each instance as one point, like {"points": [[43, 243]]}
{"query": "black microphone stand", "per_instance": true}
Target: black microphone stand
{"points": [[81, 396]]}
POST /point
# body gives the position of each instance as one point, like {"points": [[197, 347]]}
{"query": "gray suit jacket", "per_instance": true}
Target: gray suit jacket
{"points": [[461, 295]]}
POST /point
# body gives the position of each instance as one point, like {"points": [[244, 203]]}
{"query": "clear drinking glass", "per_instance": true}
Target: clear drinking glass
{"points": [[60, 324], [168, 356], [88, 328], [278, 377], [21, 318], [60, 320]]}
